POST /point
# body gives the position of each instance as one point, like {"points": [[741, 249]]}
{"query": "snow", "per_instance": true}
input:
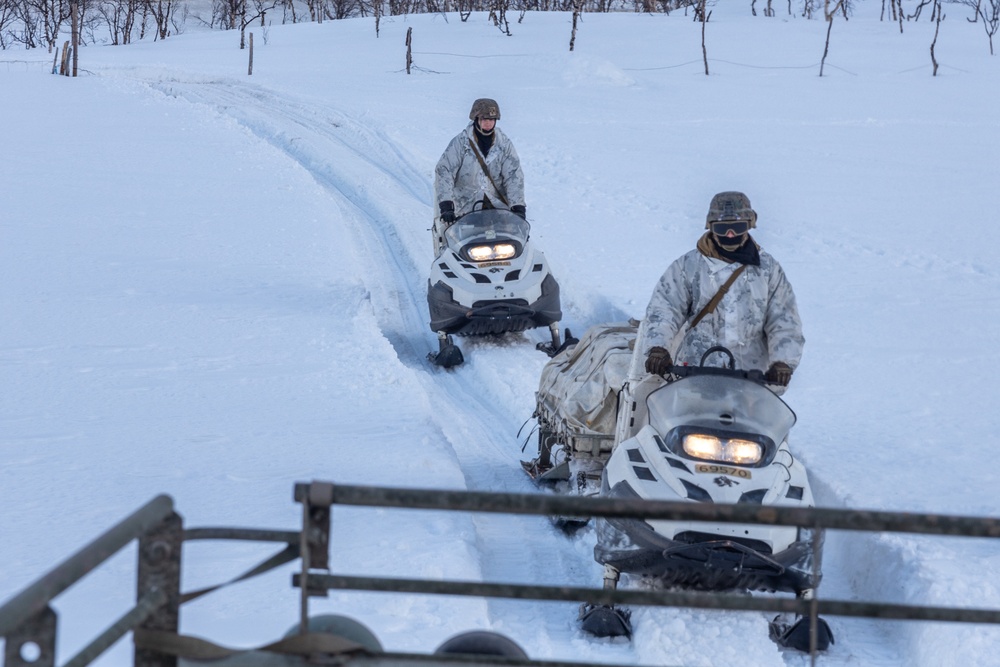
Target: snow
{"points": [[213, 286]]}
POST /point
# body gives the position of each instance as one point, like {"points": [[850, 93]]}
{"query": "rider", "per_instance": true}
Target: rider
{"points": [[479, 167], [758, 319]]}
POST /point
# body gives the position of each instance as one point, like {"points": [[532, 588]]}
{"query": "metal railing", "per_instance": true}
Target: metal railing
{"points": [[28, 623]]}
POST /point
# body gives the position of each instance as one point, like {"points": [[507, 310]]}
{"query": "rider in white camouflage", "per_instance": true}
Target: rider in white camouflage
{"points": [[757, 319], [460, 183]]}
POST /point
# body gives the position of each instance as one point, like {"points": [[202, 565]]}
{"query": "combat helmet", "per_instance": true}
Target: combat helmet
{"points": [[484, 107], [730, 207]]}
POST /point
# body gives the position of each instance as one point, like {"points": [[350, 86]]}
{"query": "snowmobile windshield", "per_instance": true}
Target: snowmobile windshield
{"points": [[486, 236], [720, 404]]}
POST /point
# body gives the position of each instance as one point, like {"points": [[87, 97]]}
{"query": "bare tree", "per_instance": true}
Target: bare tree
{"points": [[702, 14], [162, 12], [498, 14], [577, 8], [120, 18], [342, 9], [74, 14], [27, 33], [7, 15], [829, 14], [937, 28], [43, 20], [241, 13], [225, 13], [915, 16], [989, 12]]}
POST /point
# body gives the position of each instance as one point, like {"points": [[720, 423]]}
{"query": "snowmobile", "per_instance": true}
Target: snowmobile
{"points": [[489, 280], [699, 434]]}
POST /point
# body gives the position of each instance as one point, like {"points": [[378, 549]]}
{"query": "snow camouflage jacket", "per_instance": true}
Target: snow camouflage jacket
{"points": [[459, 177], [757, 319]]}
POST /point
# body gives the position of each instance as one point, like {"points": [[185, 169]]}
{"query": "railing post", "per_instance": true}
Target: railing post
{"points": [[160, 569], [33, 644], [316, 499]]}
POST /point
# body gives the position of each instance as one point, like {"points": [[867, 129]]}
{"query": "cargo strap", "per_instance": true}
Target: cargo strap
{"points": [[482, 163], [713, 304], [287, 555], [194, 648]]}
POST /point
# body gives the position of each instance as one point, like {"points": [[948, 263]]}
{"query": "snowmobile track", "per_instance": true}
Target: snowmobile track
{"points": [[511, 548]]}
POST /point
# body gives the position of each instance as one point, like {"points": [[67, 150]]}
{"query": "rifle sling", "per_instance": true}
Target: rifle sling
{"points": [[711, 305], [482, 163]]}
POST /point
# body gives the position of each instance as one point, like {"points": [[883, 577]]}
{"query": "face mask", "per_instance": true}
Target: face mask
{"points": [[730, 244]]}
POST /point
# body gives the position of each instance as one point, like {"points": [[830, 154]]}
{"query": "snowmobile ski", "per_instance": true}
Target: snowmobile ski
{"points": [[796, 634], [602, 620], [448, 355]]}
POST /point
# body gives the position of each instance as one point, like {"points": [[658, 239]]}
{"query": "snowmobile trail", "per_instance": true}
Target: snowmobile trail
{"points": [[386, 207], [480, 406]]}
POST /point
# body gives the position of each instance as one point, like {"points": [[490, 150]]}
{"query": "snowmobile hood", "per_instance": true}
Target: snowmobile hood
{"points": [[488, 226], [720, 403]]}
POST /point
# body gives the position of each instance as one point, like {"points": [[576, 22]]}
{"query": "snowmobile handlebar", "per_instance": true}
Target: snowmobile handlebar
{"points": [[729, 370]]}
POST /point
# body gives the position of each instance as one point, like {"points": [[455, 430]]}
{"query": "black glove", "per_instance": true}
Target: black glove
{"points": [[519, 210], [779, 373], [658, 361], [447, 211]]}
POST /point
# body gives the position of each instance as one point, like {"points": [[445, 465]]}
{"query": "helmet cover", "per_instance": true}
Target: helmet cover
{"points": [[730, 207], [484, 107]]}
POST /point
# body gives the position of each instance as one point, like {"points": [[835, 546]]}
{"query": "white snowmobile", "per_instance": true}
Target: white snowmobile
{"points": [[487, 280], [702, 434]]}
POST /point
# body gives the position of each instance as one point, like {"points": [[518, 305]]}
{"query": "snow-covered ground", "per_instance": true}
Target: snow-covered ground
{"points": [[212, 285]]}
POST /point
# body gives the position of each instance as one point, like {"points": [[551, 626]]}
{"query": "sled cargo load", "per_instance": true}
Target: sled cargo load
{"points": [[577, 398]]}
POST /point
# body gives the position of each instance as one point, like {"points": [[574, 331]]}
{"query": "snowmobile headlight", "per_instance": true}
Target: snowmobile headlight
{"points": [[743, 452], [481, 253], [703, 446], [504, 250], [489, 253], [712, 448]]}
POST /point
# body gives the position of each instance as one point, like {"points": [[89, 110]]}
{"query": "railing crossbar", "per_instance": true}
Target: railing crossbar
{"points": [[555, 505], [147, 605], [693, 599], [242, 534]]}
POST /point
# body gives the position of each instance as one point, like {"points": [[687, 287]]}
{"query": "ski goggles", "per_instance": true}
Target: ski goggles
{"points": [[737, 227]]}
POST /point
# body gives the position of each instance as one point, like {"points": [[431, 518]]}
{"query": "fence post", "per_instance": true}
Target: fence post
{"points": [[160, 568], [36, 635], [409, 53], [250, 67], [64, 63], [314, 540], [75, 32]]}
